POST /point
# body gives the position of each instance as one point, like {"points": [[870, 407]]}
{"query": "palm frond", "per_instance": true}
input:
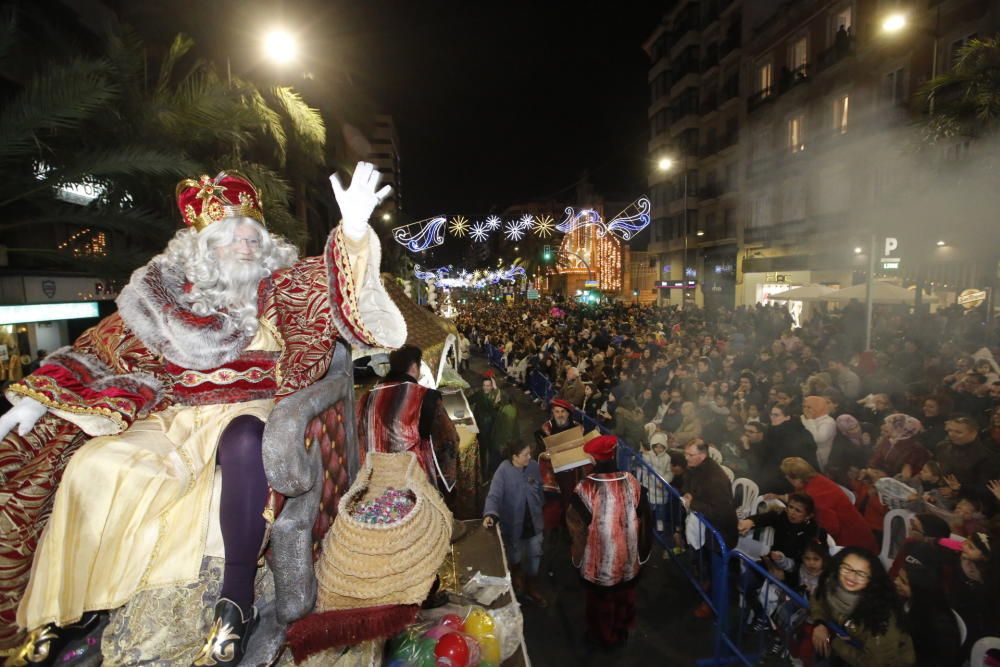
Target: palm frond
{"points": [[306, 123], [181, 45], [269, 120], [59, 99]]}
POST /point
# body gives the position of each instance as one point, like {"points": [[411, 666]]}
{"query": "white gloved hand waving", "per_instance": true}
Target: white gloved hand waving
{"points": [[359, 200], [23, 416]]}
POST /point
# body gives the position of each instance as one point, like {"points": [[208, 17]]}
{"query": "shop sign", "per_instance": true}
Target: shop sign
{"points": [[971, 298]]}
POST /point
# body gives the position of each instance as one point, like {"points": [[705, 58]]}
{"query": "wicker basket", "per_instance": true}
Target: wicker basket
{"points": [[366, 565], [893, 493]]}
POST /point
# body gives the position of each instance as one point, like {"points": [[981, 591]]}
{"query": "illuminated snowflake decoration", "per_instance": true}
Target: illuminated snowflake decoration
{"points": [[526, 222], [513, 231], [493, 223], [479, 232], [545, 226], [459, 226]]}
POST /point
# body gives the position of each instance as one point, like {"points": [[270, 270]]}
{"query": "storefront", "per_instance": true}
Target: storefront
{"points": [[46, 313]]}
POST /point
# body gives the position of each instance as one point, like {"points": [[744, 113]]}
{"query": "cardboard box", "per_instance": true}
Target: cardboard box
{"points": [[565, 449]]}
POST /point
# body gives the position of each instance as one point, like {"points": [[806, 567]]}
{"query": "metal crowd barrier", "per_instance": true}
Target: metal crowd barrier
{"points": [[710, 564]]}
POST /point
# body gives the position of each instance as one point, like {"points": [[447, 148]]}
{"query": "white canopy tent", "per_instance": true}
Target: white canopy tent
{"points": [[810, 292], [882, 292]]}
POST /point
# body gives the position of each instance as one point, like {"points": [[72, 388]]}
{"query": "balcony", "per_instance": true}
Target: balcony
{"points": [[709, 191], [835, 54], [730, 90], [790, 78], [760, 98], [709, 103]]}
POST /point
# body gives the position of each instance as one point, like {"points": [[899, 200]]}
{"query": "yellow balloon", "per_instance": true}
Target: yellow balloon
{"points": [[490, 648], [479, 623]]}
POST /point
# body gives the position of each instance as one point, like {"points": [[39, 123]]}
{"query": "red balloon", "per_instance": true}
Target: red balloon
{"points": [[453, 647], [453, 621]]}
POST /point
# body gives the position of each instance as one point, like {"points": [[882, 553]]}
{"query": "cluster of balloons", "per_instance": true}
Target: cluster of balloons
{"points": [[452, 642]]}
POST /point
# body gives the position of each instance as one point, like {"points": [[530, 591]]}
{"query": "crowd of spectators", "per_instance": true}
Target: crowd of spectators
{"points": [[816, 422]]}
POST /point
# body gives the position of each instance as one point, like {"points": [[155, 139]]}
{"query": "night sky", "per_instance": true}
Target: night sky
{"points": [[495, 102]]}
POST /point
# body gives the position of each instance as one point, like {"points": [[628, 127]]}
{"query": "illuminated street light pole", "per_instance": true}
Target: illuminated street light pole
{"points": [[665, 164], [898, 22]]}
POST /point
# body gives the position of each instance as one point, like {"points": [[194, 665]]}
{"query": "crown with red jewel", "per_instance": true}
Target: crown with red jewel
{"points": [[208, 200]]}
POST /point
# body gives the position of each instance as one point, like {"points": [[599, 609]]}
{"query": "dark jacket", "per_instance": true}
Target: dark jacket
{"points": [[790, 539], [712, 497], [844, 455], [973, 464], [780, 442]]}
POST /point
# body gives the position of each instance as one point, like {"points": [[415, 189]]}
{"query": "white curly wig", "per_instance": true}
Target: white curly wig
{"points": [[222, 285]]}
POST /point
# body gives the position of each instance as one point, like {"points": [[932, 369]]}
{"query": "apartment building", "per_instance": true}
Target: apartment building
{"points": [[696, 114], [829, 153]]}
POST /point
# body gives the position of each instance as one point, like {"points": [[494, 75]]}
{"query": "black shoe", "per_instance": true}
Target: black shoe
{"points": [[42, 646], [228, 638]]}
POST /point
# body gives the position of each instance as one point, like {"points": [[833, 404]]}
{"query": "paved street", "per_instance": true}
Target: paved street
{"points": [[666, 632]]}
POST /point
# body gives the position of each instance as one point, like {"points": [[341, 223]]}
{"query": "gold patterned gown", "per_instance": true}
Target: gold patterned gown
{"points": [[132, 510]]}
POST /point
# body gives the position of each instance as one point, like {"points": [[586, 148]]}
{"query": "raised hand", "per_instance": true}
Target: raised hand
{"points": [[994, 486], [359, 200]]}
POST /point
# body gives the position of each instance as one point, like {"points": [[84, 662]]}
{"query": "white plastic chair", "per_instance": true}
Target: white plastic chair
{"points": [[832, 545], [729, 472], [963, 632], [769, 505], [895, 527], [979, 649], [745, 492], [850, 494]]}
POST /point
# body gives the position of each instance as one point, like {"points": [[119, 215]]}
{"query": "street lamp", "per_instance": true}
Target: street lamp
{"points": [[665, 164], [897, 22], [280, 46]]}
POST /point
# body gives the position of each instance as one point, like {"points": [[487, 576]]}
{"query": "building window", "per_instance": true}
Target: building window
{"points": [[731, 176], [841, 18], [764, 80], [798, 57], [796, 133], [840, 110], [895, 90]]}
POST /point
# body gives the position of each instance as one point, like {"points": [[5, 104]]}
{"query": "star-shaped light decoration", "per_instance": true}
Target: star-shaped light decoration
{"points": [[526, 221], [545, 226], [479, 232], [513, 231], [459, 226], [493, 223]]}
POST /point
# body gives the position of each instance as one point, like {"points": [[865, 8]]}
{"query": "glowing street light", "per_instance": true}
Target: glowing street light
{"points": [[700, 232], [386, 217], [665, 164], [280, 46], [858, 250], [894, 22], [940, 243]]}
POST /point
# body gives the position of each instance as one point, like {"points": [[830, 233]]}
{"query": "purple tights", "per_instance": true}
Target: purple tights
{"points": [[244, 492]]}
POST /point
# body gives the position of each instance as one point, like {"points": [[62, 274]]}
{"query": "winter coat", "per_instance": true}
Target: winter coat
{"points": [[712, 497], [511, 490], [837, 516], [891, 457], [894, 648], [780, 442]]}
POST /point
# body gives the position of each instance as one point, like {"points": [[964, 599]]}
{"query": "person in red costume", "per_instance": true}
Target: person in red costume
{"points": [[609, 522], [145, 405]]}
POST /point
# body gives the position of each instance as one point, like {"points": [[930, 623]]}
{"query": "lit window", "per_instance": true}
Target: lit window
{"points": [[764, 79], [796, 134], [840, 18], [798, 57], [840, 110]]}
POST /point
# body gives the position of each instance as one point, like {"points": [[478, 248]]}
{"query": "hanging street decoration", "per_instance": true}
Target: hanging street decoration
{"points": [[544, 226], [429, 233], [421, 235], [480, 232], [459, 226], [584, 218], [514, 231], [632, 220], [479, 279]]}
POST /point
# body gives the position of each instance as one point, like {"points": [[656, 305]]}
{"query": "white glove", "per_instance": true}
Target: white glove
{"points": [[358, 201], [23, 415]]}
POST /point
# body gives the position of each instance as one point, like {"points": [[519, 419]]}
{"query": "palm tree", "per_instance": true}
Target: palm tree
{"points": [[130, 132], [967, 97]]}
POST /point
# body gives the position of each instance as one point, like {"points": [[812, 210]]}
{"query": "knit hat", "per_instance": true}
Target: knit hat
{"points": [[602, 448]]}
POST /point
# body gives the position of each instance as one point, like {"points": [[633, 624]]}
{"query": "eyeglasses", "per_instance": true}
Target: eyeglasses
{"points": [[854, 574]]}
